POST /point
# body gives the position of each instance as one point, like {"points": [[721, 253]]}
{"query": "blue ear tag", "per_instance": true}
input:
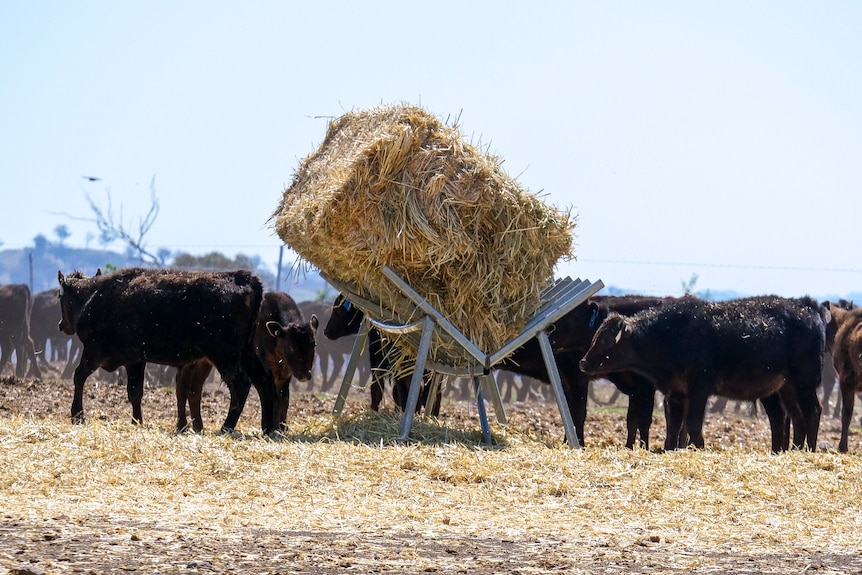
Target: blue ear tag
{"points": [[346, 305], [593, 317]]}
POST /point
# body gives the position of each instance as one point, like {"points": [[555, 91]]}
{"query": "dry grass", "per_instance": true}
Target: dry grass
{"points": [[336, 496], [744, 501], [396, 186]]}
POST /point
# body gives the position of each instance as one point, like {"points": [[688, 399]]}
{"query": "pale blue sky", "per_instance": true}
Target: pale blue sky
{"points": [[725, 137]]}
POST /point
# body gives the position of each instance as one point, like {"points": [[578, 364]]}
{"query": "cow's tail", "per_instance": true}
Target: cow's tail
{"points": [[245, 278]]}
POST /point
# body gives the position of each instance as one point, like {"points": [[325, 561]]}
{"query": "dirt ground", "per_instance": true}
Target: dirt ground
{"points": [[33, 547]]}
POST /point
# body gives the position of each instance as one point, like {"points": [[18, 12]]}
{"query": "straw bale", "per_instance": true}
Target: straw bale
{"points": [[396, 186]]}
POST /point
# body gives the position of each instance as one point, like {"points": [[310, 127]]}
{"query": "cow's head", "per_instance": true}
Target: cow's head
{"points": [[294, 348], [834, 314], [74, 291], [346, 319], [610, 347]]}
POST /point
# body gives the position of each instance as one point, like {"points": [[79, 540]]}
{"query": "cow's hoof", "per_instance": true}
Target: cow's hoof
{"points": [[229, 431]]}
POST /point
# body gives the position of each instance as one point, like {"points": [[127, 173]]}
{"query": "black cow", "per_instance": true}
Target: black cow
{"points": [[570, 338], [44, 315], [331, 354], [284, 343], [750, 348], [15, 329], [134, 316], [346, 319]]}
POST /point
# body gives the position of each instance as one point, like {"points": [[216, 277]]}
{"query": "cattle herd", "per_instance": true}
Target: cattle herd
{"points": [[767, 349]]}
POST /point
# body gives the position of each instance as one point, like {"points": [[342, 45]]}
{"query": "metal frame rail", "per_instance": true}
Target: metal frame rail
{"points": [[416, 319]]}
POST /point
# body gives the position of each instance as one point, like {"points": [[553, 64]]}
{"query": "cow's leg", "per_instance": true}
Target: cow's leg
{"points": [[239, 386], [6, 348], [400, 390], [322, 363], [75, 351], [576, 388], [809, 403], [436, 388], [181, 388], [848, 400], [579, 392], [40, 348], [270, 402], [675, 407], [524, 388], [195, 392], [376, 390], [34, 371], [789, 393], [643, 400], [836, 413], [631, 423], [697, 400], [778, 421], [20, 359], [85, 368], [719, 405], [282, 390], [335, 369], [135, 388], [255, 374], [190, 381]]}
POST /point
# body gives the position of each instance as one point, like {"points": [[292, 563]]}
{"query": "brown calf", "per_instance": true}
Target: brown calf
{"points": [[847, 358]]}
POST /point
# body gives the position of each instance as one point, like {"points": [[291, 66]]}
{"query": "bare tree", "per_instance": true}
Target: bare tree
{"points": [[112, 227]]}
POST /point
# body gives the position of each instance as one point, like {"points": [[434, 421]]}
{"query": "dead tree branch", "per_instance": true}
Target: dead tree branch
{"points": [[113, 228]]}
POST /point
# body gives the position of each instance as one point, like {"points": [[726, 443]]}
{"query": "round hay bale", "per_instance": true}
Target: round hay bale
{"points": [[396, 186]]}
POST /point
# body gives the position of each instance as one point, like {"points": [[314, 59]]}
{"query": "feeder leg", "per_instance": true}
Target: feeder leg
{"points": [[557, 387], [433, 387], [355, 355], [483, 415], [418, 376], [494, 392]]}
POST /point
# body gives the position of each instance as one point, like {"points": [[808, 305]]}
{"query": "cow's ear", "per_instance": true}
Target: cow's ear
{"points": [[274, 328], [593, 310], [314, 322], [625, 330], [60, 279]]}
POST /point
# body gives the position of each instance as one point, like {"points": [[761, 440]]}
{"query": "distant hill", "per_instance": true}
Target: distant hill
{"points": [[302, 285], [48, 257], [723, 295]]}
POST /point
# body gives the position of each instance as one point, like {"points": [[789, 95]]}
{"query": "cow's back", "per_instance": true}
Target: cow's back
{"points": [[172, 317], [748, 337], [14, 307], [44, 316]]}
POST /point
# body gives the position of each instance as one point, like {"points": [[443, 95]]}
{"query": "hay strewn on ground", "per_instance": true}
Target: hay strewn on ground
{"points": [[109, 497], [396, 186], [150, 491]]}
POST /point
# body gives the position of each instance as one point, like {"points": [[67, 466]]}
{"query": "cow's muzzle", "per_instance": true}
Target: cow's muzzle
{"points": [[66, 327]]}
